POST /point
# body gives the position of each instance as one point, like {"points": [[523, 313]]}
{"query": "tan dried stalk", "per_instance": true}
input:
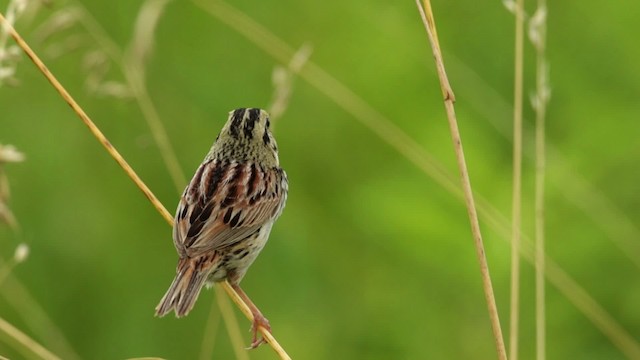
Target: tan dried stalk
{"points": [[449, 99], [271, 340]]}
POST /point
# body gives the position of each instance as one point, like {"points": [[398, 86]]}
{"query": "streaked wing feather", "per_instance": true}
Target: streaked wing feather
{"points": [[244, 198]]}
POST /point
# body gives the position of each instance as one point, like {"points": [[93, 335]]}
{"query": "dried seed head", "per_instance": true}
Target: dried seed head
{"points": [[21, 253], [8, 153]]}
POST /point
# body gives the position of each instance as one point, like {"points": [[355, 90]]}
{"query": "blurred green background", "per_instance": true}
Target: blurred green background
{"points": [[372, 258]]}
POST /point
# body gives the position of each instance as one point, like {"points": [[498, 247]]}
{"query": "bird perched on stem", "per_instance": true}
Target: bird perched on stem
{"points": [[226, 212]]}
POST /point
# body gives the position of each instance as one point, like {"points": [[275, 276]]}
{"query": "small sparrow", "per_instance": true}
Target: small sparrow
{"points": [[226, 212]]}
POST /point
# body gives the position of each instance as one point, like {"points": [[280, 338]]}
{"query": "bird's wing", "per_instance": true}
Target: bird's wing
{"points": [[227, 202]]}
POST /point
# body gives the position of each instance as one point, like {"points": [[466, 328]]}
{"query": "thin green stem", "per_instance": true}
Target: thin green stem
{"points": [[539, 238], [537, 33], [6, 268], [210, 332], [137, 53], [516, 206], [232, 326]]}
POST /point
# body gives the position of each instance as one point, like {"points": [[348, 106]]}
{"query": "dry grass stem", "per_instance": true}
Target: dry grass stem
{"points": [[125, 166], [537, 34], [427, 17], [29, 347], [516, 205]]}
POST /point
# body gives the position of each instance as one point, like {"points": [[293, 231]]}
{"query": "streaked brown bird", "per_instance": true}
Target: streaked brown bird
{"points": [[226, 213]]}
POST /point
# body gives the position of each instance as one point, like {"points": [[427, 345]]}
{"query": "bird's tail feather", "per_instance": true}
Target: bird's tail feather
{"points": [[183, 292]]}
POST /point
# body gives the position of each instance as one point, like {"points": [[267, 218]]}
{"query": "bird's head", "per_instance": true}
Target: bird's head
{"points": [[246, 137]]}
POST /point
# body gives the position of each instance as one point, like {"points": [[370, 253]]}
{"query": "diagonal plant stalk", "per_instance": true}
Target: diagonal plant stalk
{"points": [[134, 71], [578, 296], [516, 205], [449, 99], [537, 35], [271, 340], [6, 267], [28, 346], [36, 318]]}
